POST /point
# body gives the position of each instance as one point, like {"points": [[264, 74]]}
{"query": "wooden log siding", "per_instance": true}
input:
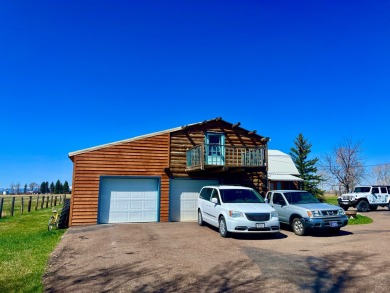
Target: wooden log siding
{"points": [[144, 157]]}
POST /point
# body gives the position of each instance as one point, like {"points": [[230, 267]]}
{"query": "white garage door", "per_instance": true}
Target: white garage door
{"points": [[183, 198], [128, 200]]}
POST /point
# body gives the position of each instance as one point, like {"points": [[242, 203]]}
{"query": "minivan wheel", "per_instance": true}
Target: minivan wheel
{"points": [[200, 218], [363, 206], [222, 227], [298, 227]]}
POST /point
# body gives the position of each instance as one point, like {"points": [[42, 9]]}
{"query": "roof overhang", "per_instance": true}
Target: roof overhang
{"points": [[286, 177]]}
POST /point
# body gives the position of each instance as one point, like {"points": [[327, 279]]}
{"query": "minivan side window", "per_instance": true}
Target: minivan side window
{"points": [[205, 193], [214, 194]]}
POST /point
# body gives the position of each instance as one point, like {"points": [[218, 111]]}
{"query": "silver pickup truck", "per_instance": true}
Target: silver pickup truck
{"points": [[302, 211]]}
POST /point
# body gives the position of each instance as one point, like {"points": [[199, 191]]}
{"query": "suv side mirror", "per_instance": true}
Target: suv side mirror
{"points": [[214, 200]]}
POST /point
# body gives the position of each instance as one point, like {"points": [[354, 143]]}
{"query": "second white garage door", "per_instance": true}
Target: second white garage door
{"points": [[128, 200], [183, 198]]}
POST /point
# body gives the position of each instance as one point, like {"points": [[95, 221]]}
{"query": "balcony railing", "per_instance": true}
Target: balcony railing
{"points": [[206, 156]]}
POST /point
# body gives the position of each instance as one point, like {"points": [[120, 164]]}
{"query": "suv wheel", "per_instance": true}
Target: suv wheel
{"points": [[200, 218], [345, 208], [363, 206], [222, 227], [298, 227], [373, 207]]}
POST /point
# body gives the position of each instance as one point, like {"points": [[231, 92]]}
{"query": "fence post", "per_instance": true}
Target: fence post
{"points": [[51, 201], [55, 200], [36, 205], [1, 206], [47, 201], [21, 205], [12, 206], [29, 204], [43, 201]]}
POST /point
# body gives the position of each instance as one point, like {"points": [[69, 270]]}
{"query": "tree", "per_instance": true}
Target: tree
{"points": [[15, 188], [345, 164], [52, 187], [44, 187], [58, 187], [33, 186], [25, 188], [381, 174], [66, 187], [306, 167]]}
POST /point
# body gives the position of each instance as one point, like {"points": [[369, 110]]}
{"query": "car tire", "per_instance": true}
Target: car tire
{"points": [[388, 206], [298, 227], [200, 218], [222, 227], [345, 208], [363, 206], [373, 207]]}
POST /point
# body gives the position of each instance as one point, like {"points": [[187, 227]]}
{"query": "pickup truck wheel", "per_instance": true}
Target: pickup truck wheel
{"points": [[373, 207], [363, 206], [200, 218], [298, 227], [222, 227], [335, 231]]}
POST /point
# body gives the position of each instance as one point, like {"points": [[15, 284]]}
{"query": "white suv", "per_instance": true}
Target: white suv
{"points": [[236, 209], [366, 198]]}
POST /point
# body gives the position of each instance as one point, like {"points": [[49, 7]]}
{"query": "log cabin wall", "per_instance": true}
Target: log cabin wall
{"points": [[195, 135], [144, 157]]}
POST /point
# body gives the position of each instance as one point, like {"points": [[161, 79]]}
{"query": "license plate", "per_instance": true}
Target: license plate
{"points": [[333, 224], [258, 225]]}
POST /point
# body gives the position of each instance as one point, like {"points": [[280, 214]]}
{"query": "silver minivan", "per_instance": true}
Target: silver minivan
{"points": [[236, 209]]}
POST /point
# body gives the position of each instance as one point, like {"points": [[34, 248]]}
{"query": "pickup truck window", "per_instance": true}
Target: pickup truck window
{"points": [[278, 199], [300, 197]]}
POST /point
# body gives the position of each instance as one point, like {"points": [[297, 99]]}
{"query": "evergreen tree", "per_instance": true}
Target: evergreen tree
{"points": [[25, 188], [306, 167], [43, 188], [66, 187], [58, 187], [52, 187]]}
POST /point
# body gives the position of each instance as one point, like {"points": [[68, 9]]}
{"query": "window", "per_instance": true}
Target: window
{"points": [[375, 190], [383, 189], [214, 194], [205, 193], [278, 199]]}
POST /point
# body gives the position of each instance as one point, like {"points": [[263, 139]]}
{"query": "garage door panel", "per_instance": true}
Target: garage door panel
{"points": [[128, 200], [183, 199]]}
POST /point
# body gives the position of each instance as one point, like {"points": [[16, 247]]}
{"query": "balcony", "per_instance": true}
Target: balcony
{"points": [[206, 156]]}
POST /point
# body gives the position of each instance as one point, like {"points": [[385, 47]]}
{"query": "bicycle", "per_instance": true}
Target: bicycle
{"points": [[53, 221]]}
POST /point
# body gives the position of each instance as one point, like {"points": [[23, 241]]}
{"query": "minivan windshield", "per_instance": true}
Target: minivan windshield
{"points": [[300, 198], [240, 196]]}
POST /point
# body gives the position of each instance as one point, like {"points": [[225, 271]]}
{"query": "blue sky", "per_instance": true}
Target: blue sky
{"points": [[77, 74]]}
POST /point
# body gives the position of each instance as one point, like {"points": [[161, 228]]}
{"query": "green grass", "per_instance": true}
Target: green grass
{"points": [[25, 247], [360, 219]]}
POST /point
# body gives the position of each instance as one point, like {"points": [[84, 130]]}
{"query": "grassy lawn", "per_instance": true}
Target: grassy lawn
{"points": [[25, 247]]}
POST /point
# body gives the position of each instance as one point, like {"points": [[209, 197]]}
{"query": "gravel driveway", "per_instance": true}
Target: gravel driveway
{"points": [[184, 257]]}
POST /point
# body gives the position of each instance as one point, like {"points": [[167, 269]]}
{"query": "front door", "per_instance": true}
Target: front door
{"points": [[215, 149]]}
